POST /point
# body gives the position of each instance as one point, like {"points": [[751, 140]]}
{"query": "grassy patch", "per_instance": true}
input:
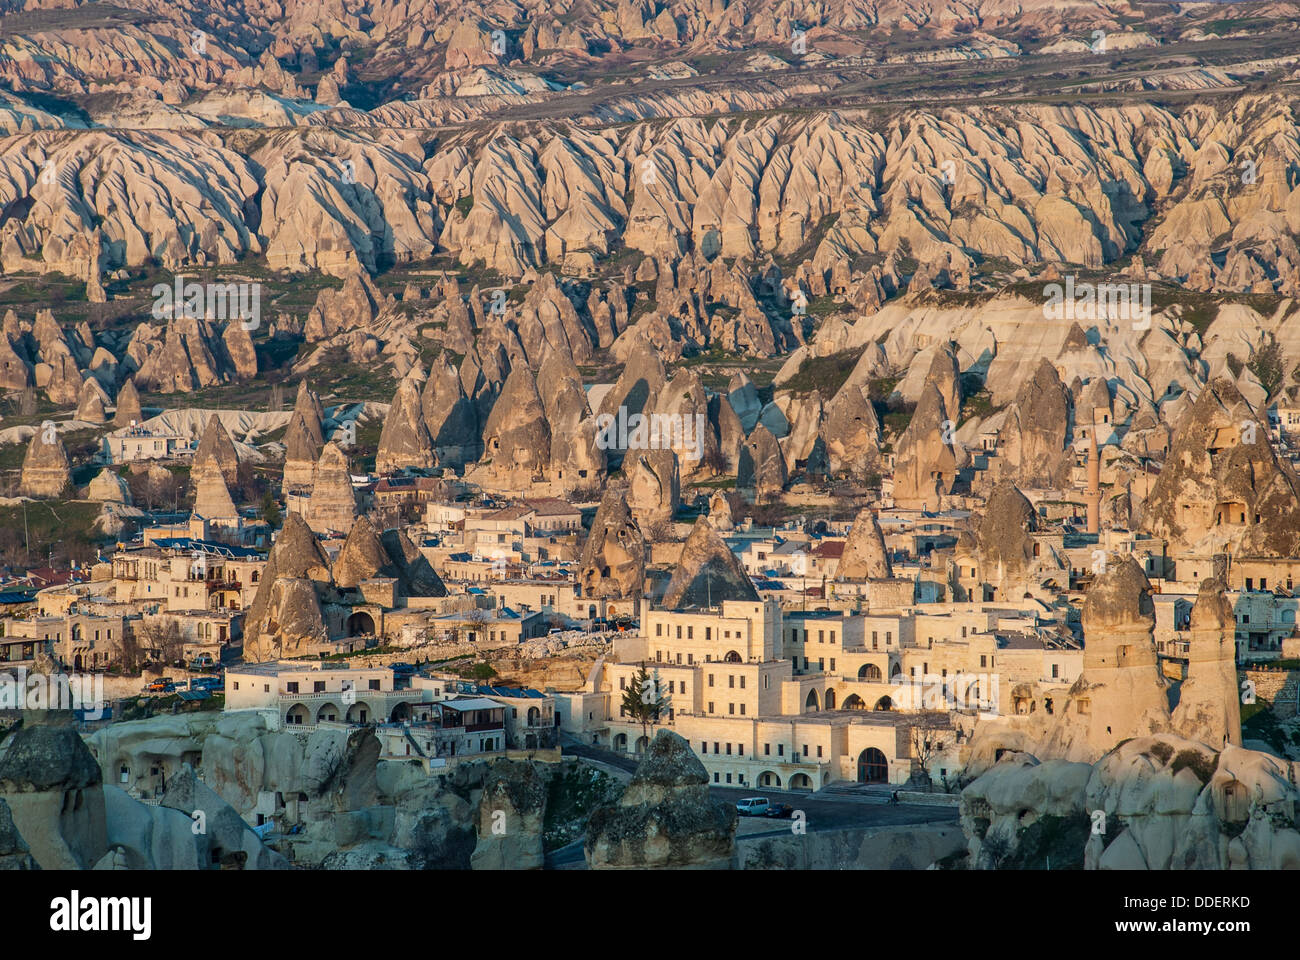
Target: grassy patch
{"points": [[824, 374], [1197, 762], [1054, 843], [570, 799]]}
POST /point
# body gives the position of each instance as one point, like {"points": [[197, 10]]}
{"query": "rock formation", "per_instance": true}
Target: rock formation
{"points": [[46, 472], [108, 487], [303, 439], [211, 495], [1209, 707], [653, 486], [614, 554], [707, 572], [332, 506], [92, 403], [1120, 693], [665, 817], [865, 556], [1037, 429], [54, 792], [450, 416], [285, 616], [517, 435], [128, 409], [1222, 486], [761, 473], [405, 442], [1152, 803], [925, 467], [216, 443]]}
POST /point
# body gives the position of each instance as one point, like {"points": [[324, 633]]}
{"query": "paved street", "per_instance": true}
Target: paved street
{"points": [[842, 808]]}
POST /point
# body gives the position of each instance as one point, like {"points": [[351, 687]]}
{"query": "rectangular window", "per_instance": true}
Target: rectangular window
{"points": [[742, 709], [659, 629], [318, 686], [728, 749], [690, 633], [731, 680], [708, 633], [767, 749], [731, 708], [710, 679], [819, 750], [780, 749]]}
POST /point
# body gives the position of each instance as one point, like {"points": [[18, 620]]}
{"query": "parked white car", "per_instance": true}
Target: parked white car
{"points": [[753, 806]]}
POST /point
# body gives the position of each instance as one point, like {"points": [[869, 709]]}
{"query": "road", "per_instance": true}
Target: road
{"points": [[822, 811]]}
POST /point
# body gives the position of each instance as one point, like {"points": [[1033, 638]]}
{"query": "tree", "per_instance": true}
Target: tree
{"points": [[928, 736], [162, 638], [270, 510], [1267, 364], [645, 700]]}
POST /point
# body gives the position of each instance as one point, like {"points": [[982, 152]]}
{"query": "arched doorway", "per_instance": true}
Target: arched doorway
{"points": [[870, 673], [768, 779], [534, 717], [328, 712], [830, 699], [731, 657], [854, 702], [884, 703], [298, 714], [872, 766], [811, 702], [361, 624], [642, 744], [359, 713], [620, 743], [401, 713], [801, 781]]}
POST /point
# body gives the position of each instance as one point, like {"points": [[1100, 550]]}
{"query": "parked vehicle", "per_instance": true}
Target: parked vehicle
{"points": [[782, 811], [753, 807], [203, 661], [402, 669], [207, 683], [161, 685]]}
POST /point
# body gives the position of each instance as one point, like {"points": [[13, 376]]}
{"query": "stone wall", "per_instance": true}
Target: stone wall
{"points": [[901, 847], [1278, 687]]}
